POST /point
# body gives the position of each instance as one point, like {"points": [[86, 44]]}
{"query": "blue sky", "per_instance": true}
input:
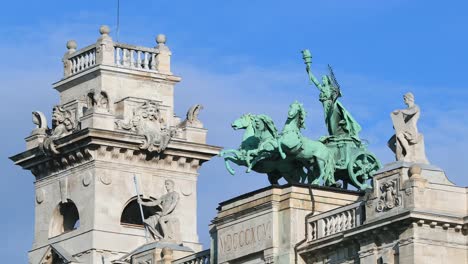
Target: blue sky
{"points": [[244, 56]]}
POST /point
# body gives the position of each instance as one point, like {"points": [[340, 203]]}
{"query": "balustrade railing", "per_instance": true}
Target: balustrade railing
{"points": [[202, 257], [84, 59], [107, 52], [134, 57], [334, 221]]}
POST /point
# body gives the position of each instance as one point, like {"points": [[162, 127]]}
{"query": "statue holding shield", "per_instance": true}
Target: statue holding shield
{"points": [[407, 143]]}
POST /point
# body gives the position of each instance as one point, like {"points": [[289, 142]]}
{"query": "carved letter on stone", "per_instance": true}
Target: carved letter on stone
{"points": [[164, 224], [389, 197], [148, 121]]}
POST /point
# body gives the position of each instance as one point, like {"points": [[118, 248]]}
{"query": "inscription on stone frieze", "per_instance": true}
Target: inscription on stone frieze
{"points": [[244, 238]]}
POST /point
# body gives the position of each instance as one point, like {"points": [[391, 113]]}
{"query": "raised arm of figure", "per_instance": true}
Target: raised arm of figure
{"points": [[150, 203]]}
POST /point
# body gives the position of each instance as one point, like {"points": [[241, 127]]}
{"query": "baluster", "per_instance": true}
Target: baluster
{"points": [[145, 61], [117, 56], [132, 59], [78, 66], [75, 64], [153, 61], [93, 58], [86, 60], [138, 59], [125, 57], [72, 68], [82, 60]]}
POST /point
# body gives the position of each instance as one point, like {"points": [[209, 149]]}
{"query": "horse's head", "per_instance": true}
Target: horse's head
{"points": [[242, 122], [296, 110]]}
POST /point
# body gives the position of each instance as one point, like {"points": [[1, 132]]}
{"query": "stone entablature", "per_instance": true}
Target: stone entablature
{"points": [[100, 145]]}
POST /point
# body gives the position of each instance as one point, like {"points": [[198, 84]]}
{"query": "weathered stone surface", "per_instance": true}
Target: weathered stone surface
{"points": [[85, 164], [264, 226], [410, 217]]}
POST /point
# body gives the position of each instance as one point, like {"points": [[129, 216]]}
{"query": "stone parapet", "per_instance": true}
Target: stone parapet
{"points": [[413, 214], [265, 225]]}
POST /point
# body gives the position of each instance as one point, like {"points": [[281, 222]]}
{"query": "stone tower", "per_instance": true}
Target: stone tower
{"points": [[114, 123]]}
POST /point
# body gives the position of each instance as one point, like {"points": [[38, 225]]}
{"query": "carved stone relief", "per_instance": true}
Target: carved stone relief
{"points": [[98, 101], [40, 196], [148, 121], [63, 123], [87, 178], [389, 196], [192, 117]]}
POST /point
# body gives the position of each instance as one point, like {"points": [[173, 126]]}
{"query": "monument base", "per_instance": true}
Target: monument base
{"points": [[265, 225]]}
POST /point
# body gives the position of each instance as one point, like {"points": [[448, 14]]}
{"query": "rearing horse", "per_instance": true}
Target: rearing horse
{"points": [[313, 154], [260, 145]]}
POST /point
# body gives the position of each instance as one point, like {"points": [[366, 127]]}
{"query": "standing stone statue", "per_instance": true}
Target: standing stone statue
{"points": [[407, 143], [164, 217]]}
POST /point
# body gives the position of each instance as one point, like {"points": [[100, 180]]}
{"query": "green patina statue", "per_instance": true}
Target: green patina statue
{"points": [[339, 156]]}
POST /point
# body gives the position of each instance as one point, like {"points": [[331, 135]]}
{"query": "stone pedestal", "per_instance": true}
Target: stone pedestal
{"points": [[413, 214], [264, 226]]}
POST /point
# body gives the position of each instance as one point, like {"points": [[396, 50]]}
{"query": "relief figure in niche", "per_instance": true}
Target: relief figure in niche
{"points": [[98, 101], [62, 124], [147, 120], [163, 224]]}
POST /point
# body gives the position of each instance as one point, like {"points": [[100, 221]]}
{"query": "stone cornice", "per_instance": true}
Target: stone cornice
{"points": [[104, 145]]}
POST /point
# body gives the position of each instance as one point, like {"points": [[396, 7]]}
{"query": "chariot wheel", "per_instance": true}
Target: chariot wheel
{"points": [[362, 167]]}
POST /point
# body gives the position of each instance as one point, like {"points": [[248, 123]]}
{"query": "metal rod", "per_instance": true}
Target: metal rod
{"points": [[141, 207], [118, 19]]}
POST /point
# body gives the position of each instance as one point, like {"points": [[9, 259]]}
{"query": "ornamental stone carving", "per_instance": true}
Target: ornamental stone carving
{"points": [[148, 121], [40, 121], [98, 101], [63, 123], [192, 117], [389, 196]]}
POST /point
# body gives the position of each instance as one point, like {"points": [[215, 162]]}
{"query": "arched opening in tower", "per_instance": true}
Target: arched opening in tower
{"points": [[131, 214], [65, 218]]}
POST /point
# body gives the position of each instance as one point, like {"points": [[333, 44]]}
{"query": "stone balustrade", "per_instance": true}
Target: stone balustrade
{"points": [[110, 53], [334, 221], [202, 257], [135, 57]]}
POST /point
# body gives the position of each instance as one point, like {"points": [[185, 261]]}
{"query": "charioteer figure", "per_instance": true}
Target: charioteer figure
{"points": [[338, 120]]}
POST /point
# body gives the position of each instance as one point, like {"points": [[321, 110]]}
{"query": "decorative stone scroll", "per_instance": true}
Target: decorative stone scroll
{"points": [[389, 196], [192, 117], [40, 121], [148, 121], [63, 123]]}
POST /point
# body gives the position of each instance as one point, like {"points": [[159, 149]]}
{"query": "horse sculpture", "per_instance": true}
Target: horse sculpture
{"points": [[259, 151], [314, 155]]}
